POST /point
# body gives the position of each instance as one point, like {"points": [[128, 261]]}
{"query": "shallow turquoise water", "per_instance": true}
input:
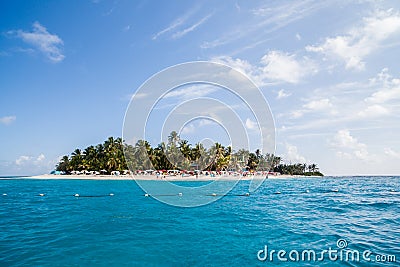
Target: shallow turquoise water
{"points": [[128, 229]]}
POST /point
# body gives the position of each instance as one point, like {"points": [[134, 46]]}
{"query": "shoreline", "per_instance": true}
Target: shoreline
{"points": [[166, 178]]}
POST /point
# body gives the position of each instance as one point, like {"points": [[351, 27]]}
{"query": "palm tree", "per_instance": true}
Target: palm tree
{"points": [[200, 157], [162, 161], [253, 161], [142, 155], [63, 165], [90, 159], [173, 137], [76, 160], [258, 153], [173, 153], [276, 161], [176, 153], [219, 157], [312, 167], [241, 159]]}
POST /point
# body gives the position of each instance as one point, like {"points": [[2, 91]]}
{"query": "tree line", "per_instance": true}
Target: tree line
{"points": [[177, 153]]}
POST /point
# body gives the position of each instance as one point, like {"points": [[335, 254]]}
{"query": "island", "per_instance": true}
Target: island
{"points": [[176, 158]]}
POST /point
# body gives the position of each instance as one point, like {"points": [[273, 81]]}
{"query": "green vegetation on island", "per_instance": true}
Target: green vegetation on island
{"points": [[177, 154]]}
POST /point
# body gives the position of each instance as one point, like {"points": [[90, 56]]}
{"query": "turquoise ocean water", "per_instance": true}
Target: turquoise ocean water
{"points": [[128, 229]]}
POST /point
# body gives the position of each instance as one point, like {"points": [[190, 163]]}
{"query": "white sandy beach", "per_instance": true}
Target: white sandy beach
{"points": [[155, 178]]}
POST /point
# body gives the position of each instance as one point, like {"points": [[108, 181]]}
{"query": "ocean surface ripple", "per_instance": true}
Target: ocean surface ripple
{"points": [[128, 229]]}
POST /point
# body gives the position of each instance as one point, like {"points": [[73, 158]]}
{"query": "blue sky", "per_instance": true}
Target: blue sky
{"points": [[329, 70]]}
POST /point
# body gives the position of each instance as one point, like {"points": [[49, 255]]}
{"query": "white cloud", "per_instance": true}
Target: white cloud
{"points": [[7, 119], [283, 94], [30, 165], [204, 122], [169, 28], [183, 32], [320, 104], [296, 114], [49, 44], [374, 111], [357, 103], [178, 23], [298, 36], [344, 139], [389, 88], [41, 157], [196, 124], [22, 159], [239, 64], [275, 66], [342, 154], [349, 147], [280, 66], [136, 95], [264, 20], [188, 129], [191, 92], [383, 95], [251, 125], [292, 154], [391, 153], [361, 41], [237, 7], [29, 160]]}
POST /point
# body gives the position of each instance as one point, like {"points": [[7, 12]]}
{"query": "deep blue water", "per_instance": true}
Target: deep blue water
{"points": [[128, 229]]}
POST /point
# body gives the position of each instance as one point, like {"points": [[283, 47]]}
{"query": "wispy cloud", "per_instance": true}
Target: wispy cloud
{"points": [[180, 34], [238, 8], [391, 153], [191, 92], [363, 103], [196, 125], [135, 95], [188, 129], [49, 44], [387, 93], [266, 19], [176, 23], [22, 160], [319, 106], [353, 46], [4, 54], [29, 164], [388, 88], [171, 27], [282, 94], [7, 119], [374, 111], [126, 28]]}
